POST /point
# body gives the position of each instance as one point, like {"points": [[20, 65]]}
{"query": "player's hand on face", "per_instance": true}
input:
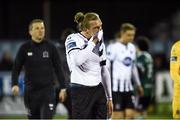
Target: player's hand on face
{"points": [[62, 95], [15, 90], [97, 37], [100, 35], [109, 108]]}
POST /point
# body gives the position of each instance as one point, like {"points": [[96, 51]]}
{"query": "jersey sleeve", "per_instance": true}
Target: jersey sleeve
{"points": [[71, 43], [76, 55], [18, 64], [110, 53], [103, 56], [175, 62]]}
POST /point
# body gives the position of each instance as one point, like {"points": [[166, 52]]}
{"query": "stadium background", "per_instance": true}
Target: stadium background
{"points": [[159, 21]]}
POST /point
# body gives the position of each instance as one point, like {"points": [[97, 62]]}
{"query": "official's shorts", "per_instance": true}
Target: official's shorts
{"points": [[40, 104], [123, 100]]}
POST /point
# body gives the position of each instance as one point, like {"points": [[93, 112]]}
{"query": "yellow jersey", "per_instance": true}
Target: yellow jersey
{"points": [[175, 75], [175, 67]]}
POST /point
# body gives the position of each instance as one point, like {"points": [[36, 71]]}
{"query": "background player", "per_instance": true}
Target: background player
{"points": [[145, 70], [122, 55]]}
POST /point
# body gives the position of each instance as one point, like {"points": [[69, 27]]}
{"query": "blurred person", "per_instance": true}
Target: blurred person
{"points": [[160, 44], [66, 72], [40, 60], [122, 56], [160, 49], [6, 65], [6, 62], [175, 75], [90, 79], [145, 70]]}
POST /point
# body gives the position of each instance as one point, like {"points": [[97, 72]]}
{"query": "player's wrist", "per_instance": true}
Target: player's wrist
{"points": [[100, 35], [93, 44], [109, 98], [95, 40]]}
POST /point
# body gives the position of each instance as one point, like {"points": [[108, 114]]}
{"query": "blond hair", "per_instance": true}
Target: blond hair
{"points": [[83, 19]]}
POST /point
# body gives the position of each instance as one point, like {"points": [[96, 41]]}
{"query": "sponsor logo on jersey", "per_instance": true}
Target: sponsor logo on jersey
{"points": [[127, 61]]}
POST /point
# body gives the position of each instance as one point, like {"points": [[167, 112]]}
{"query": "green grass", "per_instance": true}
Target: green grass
{"points": [[159, 116], [161, 111]]}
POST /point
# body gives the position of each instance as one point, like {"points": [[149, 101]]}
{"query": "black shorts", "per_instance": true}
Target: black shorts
{"points": [[143, 103], [40, 104], [88, 102], [123, 100]]}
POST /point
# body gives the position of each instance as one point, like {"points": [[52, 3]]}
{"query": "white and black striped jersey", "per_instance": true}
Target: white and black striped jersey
{"points": [[122, 59], [84, 59]]}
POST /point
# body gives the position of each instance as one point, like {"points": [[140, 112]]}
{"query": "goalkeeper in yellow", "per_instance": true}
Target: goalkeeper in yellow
{"points": [[175, 75]]}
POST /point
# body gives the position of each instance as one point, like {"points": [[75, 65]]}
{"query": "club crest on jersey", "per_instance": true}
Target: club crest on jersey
{"points": [[45, 54], [173, 58], [127, 61]]}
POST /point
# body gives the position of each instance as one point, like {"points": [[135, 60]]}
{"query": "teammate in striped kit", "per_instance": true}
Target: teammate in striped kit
{"points": [[90, 79], [122, 56]]}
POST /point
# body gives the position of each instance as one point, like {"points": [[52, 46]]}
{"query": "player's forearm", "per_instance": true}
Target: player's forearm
{"points": [[136, 76], [106, 81], [108, 64], [80, 56]]}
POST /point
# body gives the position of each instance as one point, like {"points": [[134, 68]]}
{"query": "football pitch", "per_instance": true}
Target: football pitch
{"points": [[151, 116], [160, 112]]}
